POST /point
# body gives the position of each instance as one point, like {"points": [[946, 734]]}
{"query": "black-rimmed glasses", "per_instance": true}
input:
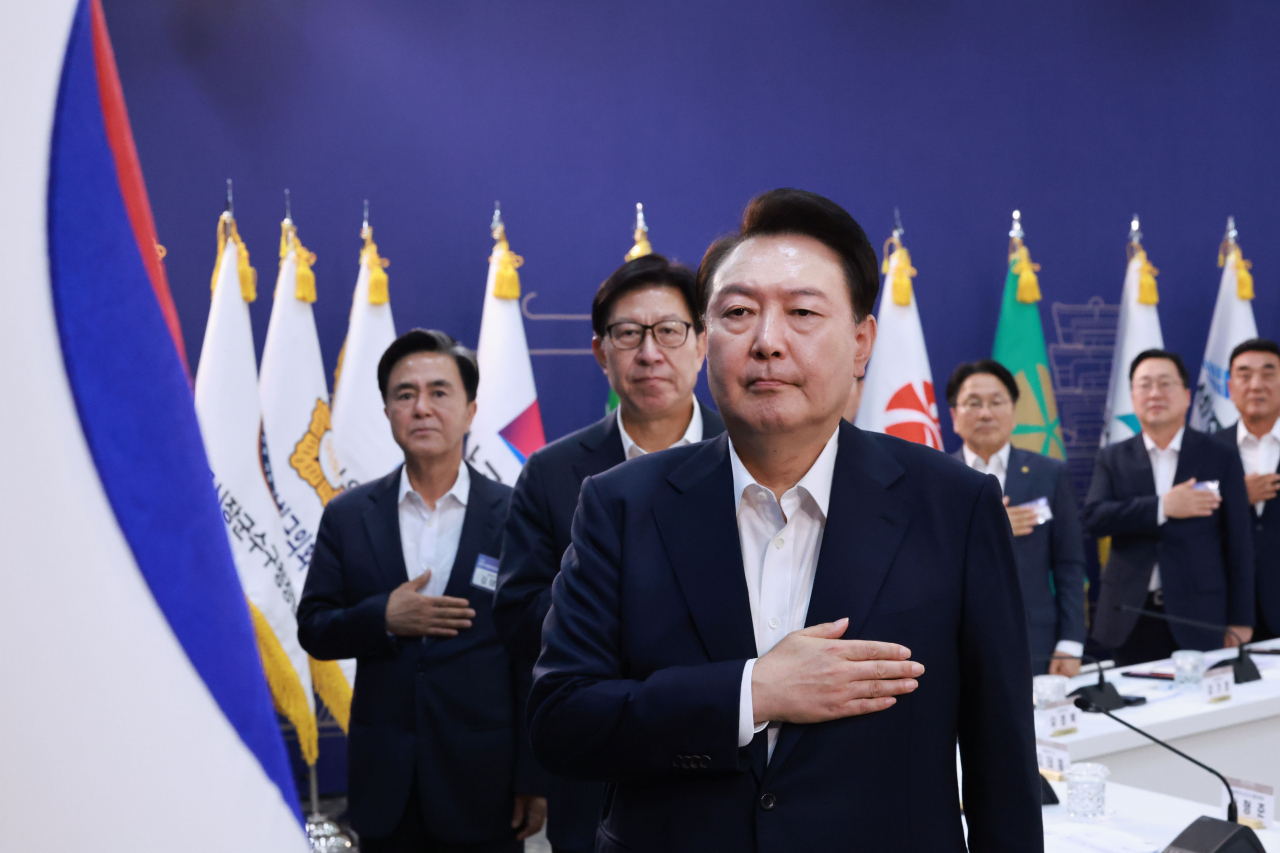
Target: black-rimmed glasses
{"points": [[669, 334]]}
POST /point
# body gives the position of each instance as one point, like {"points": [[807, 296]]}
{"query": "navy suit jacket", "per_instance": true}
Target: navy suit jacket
{"points": [[536, 536], [1051, 556], [1266, 549], [650, 628], [1206, 564], [443, 709]]}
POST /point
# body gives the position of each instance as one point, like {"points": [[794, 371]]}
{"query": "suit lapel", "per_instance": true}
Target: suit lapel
{"points": [[477, 526], [1186, 456], [1140, 464], [603, 446], [382, 522], [865, 526], [699, 529], [1015, 482]]}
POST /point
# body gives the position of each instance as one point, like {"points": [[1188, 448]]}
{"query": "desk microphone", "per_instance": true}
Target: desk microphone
{"points": [[1242, 665], [1102, 695], [1205, 834]]}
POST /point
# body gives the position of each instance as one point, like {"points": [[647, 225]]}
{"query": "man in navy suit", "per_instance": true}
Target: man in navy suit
{"points": [[739, 635], [1254, 383], [649, 340], [1173, 502], [402, 580], [1042, 512]]}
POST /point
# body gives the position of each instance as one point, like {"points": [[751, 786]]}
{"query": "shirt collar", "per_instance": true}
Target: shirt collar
{"points": [[1001, 456], [1175, 445], [1243, 434], [692, 434], [461, 489], [816, 481]]}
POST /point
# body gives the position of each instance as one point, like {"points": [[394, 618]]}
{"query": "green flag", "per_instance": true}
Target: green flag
{"points": [[1020, 347]]}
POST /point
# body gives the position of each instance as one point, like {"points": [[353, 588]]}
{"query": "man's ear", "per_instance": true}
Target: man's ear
{"points": [[597, 349], [471, 414]]}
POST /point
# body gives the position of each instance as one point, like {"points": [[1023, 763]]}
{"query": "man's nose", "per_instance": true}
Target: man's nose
{"points": [[768, 341], [649, 352]]}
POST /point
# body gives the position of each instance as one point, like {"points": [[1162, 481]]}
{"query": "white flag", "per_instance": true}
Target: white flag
{"points": [[305, 470], [231, 423], [1138, 329], [897, 394], [508, 425], [360, 428], [1232, 323]]}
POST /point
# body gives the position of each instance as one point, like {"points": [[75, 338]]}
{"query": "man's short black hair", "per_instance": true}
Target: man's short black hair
{"points": [[791, 211], [645, 271], [982, 365], [430, 340], [1253, 345], [1161, 353]]}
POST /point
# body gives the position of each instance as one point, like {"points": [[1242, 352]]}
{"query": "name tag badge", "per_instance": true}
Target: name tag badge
{"points": [[1041, 506], [485, 575]]}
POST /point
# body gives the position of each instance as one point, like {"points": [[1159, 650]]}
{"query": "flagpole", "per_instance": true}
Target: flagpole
{"points": [[324, 835]]}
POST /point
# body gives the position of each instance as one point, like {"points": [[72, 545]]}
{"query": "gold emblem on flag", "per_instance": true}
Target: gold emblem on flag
{"points": [[314, 457]]}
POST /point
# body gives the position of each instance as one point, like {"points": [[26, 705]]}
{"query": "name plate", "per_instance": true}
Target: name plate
{"points": [[1052, 758], [1058, 718], [1255, 803], [1216, 684]]}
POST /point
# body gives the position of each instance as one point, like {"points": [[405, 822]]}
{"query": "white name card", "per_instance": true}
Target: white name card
{"points": [[1216, 684], [1052, 758], [1058, 718], [1255, 803]]}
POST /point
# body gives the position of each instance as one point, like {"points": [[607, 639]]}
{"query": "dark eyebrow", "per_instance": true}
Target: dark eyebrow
{"points": [[402, 386]]}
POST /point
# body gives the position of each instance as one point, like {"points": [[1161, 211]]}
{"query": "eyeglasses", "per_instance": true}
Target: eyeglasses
{"points": [[669, 334], [1164, 386], [974, 405]]}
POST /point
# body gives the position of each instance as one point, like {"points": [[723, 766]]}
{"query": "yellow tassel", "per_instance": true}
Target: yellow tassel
{"points": [[1148, 294], [248, 275], [1028, 283], [903, 272], [332, 688], [378, 293], [506, 281], [639, 250], [286, 688], [1244, 278], [304, 284]]}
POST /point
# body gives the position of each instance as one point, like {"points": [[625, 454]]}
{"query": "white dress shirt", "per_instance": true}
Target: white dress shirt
{"points": [[1259, 455], [692, 435], [1164, 465], [429, 537], [998, 465], [780, 544]]}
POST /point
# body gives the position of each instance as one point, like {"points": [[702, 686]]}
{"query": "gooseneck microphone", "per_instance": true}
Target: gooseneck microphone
{"points": [[1102, 695], [1242, 665]]}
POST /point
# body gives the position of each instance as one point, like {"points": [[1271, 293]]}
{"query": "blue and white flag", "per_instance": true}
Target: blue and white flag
{"points": [[1138, 330], [130, 665], [1232, 324]]}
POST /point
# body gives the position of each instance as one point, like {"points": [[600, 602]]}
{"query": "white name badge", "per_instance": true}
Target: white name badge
{"points": [[1052, 758], [1041, 506], [1058, 718], [485, 575], [1255, 803], [1216, 684]]}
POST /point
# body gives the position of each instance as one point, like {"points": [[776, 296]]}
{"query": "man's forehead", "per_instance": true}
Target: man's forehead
{"points": [[1256, 359], [425, 366], [780, 258], [658, 300], [1155, 367], [982, 383]]}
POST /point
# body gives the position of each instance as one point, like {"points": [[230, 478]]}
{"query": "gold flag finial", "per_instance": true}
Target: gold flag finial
{"points": [[642, 246]]}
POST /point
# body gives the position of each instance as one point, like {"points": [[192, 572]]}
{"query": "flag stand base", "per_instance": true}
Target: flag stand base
{"points": [[324, 835]]}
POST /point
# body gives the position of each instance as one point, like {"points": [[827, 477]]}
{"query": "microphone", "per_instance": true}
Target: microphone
{"points": [[1205, 834], [1242, 665], [1102, 695]]}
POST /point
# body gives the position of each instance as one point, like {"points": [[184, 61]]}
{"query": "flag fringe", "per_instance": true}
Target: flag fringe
{"points": [[286, 687], [331, 686], [248, 275], [304, 279]]}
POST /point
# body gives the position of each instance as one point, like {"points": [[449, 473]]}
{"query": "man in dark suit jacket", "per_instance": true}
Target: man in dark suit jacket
{"points": [[1046, 536], [677, 665], [438, 751], [653, 377], [1254, 384], [1179, 544]]}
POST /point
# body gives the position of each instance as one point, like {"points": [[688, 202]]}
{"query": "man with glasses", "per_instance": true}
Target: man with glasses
{"points": [[1041, 507], [1254, 384], [650, 342], [1184, 549]]}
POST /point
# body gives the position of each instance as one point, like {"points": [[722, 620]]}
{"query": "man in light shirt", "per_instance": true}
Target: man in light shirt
{"points": [[1254, 384], [1047, 538], [1174, 503], [650, 342], [772, 641], [402, 580]]}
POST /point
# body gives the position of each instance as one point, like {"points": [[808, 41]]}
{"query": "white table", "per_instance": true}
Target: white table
{"points": [[1155, 818], [1239, 737]]}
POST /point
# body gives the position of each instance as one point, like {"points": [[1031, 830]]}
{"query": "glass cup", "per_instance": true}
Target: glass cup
{"points": [[1087, 790], [1047, 689], [1188, 667]]}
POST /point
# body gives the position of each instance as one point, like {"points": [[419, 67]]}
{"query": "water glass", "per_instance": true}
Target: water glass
{"points": [[1047, 689], [1087, 790], [1188, 667]]}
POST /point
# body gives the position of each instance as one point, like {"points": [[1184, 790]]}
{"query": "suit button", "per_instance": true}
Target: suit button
{"points": [[1259, 528], [768, 801], [704, 761], [676, 762]]}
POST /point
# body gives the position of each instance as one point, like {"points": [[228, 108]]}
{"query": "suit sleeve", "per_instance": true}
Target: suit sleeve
{"points": [[1108, 514], [1236, 518], [526, 569], [589, 720], [1068, 560], [328, 629], [996, 731]]}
